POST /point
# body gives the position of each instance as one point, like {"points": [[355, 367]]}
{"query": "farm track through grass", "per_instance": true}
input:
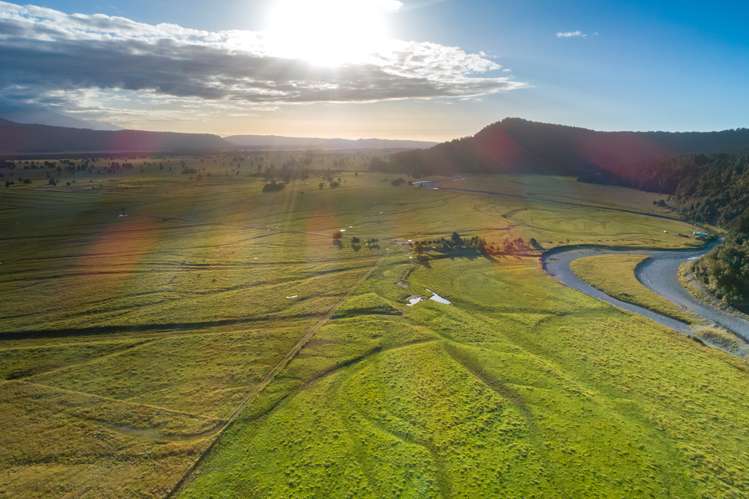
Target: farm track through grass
{"points": [[268, 379]]}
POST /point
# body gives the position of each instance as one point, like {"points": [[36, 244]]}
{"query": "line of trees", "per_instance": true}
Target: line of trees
{"points": [[456, 243], [274, 186], [357, 243]]}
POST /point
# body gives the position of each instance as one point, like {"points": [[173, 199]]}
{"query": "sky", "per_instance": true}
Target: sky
{"points": [[417, 69]]}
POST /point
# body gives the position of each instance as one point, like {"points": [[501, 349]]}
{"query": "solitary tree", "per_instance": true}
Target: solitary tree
{"points": [[456, 239]]}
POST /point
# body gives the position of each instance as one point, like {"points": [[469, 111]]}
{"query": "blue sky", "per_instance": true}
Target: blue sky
{"points": [[637, 65]]}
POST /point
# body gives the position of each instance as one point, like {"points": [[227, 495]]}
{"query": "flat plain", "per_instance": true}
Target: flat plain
{"points": [[172, 334]]}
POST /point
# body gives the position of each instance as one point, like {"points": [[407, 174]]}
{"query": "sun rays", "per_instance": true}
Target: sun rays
{"points": [[330, 32]]}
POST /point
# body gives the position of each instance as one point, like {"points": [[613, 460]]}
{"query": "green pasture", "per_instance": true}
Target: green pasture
{"points": [[167, 334], [615, 276]]}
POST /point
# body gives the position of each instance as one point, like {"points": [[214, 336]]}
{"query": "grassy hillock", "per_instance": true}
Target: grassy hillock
{"points": [[365, 304]]}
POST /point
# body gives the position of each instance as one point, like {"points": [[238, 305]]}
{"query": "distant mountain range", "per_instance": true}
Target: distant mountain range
{"points": [[26, 139], [515, 145], [300, 143], [21, 139], [14, 111]]}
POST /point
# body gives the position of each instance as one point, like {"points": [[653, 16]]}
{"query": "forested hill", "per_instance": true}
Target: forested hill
{"points": [[711, 189], [514, 145], [715, 189]]}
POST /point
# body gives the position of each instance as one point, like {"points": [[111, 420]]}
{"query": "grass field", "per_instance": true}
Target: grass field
{"points": [[215, 343], [615, 276]]}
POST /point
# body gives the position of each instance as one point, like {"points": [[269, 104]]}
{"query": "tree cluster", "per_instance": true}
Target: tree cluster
{"points": [[356, 242], [274, 186], [725, 271], [456, 244], [447, 245]]}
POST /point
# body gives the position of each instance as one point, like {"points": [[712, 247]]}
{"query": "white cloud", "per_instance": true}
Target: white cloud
{"points": [[572, 34], [52, 57]]}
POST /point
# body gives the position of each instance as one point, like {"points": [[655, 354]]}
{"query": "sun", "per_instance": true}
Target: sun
{"points": [[329, 32]]}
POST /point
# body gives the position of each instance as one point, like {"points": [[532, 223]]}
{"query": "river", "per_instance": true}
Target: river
{"points": [[659, 272]]}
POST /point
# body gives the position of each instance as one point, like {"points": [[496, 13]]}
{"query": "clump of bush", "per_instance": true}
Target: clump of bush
{"points": [[718, 337], [725, 272], [274, 186]]}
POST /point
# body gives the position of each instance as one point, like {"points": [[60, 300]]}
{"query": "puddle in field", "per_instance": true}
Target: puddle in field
{"points": [[438, 298], [415, 299]]}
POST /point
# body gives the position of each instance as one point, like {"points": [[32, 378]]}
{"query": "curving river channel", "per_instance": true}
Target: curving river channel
{"points": [[659, 272]]}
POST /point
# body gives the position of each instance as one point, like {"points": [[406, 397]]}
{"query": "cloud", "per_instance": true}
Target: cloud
{"points": [[572, 34], [382, 5], [51, 57], [35, 113], [420, 4]]}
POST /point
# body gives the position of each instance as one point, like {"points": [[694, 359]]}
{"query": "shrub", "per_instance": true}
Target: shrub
{"points": [[274, 186]]}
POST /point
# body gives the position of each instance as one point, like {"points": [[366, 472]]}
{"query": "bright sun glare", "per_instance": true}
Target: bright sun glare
{"points": [[329, 32]]}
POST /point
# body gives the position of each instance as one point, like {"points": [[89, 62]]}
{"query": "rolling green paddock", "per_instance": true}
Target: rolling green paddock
{"points": [[128, 342]]}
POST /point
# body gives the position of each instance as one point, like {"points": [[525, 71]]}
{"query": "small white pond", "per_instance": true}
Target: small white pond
{"points": [[438, 298], [413, 300]]}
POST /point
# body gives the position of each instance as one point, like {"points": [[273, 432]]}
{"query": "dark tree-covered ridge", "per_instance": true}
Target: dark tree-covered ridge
{"points": [[515, 145]]}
